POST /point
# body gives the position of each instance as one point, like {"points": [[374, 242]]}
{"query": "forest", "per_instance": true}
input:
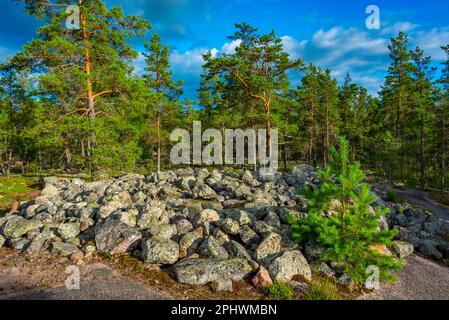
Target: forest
{"points": [[72, 101]]}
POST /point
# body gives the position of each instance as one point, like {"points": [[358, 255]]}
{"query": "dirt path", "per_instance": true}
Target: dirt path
{"points": [[421, 279]]}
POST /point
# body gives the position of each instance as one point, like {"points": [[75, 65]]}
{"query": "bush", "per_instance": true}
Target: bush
{"points": [[340, 219], [392, 196], [281, 291]]}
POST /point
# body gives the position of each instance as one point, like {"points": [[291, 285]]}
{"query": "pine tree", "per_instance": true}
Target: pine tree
{"points": [[340, 218], [159, 80]]}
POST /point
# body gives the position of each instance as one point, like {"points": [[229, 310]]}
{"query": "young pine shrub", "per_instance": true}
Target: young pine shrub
{"points": [[346, 230]]}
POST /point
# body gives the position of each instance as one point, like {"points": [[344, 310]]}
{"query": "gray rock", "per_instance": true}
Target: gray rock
{"points": [[428, 248], [64, 249], [207, 215], [272, 219], [69, 230], [270, 245], [230, 226], [190, 242], [165, 231], [205, 192], [211, 248], [2, 241], [203, 271], [290, 264], [236, 250], [402, 249], [159, 250], [183, 226], [151, 213], [242, 217], [50, 191], [116, 237], [326, 271], [345, 280], [248, 235], [16, 226]]}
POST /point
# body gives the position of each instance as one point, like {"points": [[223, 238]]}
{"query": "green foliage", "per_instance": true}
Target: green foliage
{"points": [[392, 196], [322, 289], [339, 218], [281, 291]]}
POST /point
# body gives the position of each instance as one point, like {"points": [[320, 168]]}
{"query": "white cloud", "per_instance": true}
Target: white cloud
{"points": [[191, 61], [432, 41], [399, 26], [292, 46], [229, 47]]}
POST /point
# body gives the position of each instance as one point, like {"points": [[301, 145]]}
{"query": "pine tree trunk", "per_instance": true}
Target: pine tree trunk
{"points": [[443, 149], [158, 138], [421, 155]]}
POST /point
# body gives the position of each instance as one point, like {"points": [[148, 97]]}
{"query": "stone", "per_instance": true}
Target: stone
{"points": [[248, 236], [69, 230], [165, 231], [207, 215], [203, 271], [236, 250], [230, 226], [220, 235], [345, 280], [325, 270], [31, 211], [128, 217], [151, 214], [190, 242], [183, 226], [49, 191], [159, 250], [427, 248], [211, 248], [289, 264], [272, 219], [77, 257], [2, 241], [243, 192], [205, 192], [116, 237], [64, 249], [299, 286], [313, 252], [270, 245], [402, 249], [242, 217], [17, 226], [262, 279]]}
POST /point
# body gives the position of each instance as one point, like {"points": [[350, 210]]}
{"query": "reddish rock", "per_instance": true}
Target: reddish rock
{"points": [[262, 279]]}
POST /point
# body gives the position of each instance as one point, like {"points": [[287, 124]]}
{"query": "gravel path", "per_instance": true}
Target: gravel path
{"points": [[420, 279]]}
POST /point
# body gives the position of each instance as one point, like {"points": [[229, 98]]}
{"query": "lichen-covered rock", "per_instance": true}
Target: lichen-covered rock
{"points": [[203, 271], [116, 237], [270, 245], [236, 250], [211, 248], [230, 226], [402, 249], [49, 191], [159, 250], [151, 213], [205, 192], [289, 264], [207, 215], [2, 241], [165, 231], [190, 242], [64, 249], [242, 217], [69, 230], [16, 226], [248, 236], [183, 226]]}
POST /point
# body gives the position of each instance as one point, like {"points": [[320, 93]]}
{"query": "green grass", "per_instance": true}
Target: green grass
{"points": [[16, 189], [280, 291], [322, 289]]}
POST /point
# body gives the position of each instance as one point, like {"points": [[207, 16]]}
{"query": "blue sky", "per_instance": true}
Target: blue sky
{"points": [[331, 34]]}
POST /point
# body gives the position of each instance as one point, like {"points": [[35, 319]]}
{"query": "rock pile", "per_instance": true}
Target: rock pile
{"points": [[207, 227]]}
